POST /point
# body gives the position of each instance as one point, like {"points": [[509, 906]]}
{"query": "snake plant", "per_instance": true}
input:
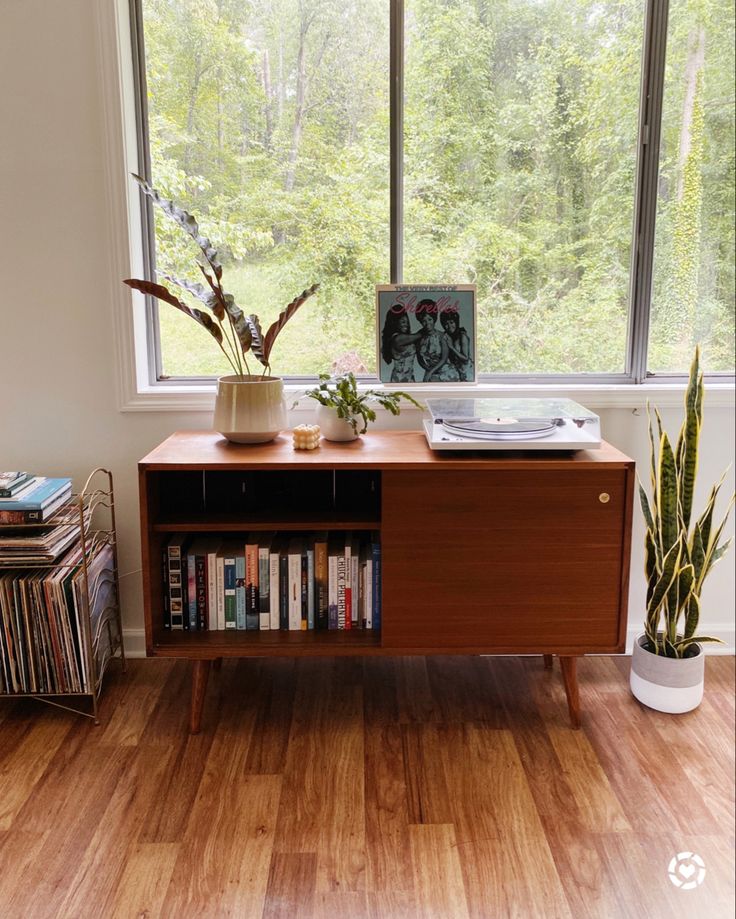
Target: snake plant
{"points": [[677, 557]]}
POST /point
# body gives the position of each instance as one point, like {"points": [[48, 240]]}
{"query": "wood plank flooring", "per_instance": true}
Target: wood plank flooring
{"points": [[436, 788]]}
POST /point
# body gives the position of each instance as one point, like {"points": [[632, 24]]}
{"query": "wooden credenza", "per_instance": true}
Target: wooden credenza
{"points": [[481, 553]]}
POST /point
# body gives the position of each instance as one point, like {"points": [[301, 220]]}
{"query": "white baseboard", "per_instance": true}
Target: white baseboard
{"points": [[135, 640]]}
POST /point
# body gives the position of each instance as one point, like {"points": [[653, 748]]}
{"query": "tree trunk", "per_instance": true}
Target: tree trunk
{"points": [[695, 61], [193, 93], [301, 92], [268, 93]]}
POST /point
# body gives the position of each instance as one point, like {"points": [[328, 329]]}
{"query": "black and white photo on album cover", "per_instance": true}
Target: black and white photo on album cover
{"points": [[425, 333]]}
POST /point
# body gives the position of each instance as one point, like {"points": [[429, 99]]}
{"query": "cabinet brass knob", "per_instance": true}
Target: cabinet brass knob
{"points": [[604, 497]]}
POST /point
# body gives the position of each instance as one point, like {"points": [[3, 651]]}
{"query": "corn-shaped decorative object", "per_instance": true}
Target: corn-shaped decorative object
{"points": [[306, 436]]}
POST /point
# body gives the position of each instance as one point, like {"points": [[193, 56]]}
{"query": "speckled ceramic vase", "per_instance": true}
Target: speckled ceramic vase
{"points": [[250, 409]]}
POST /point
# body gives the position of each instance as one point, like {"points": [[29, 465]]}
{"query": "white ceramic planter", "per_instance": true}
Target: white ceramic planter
{"points": [[250, 410], [667, 684], [332, 427]]}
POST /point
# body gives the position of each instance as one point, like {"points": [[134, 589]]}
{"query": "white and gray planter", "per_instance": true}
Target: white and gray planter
{"points": [[667, 684]]}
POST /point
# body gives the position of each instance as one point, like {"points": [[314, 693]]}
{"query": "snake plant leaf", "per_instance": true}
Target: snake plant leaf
{"points": [[721, 551], [163, 293], [683, 644], [667, 497], [645, 509], [713, 549], [256, 334], [283, 317], [650, 564], [692, 615], [652, 461], [186, 221], [670, 568], [697, 552], [688, 467]]}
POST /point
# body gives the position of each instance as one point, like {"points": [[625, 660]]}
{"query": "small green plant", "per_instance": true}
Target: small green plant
{"points": [[677, 560], [234, 332], [341, 393]]}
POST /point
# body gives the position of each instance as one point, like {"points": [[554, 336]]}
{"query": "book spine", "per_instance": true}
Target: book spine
{"points": [[220, 595], [176, 600], [241, 592], [295, 591], [376, 552], [361, 595], [201, 584], [341, 591], [192, 590], [355, 593], [320, 585], [252, 599], [283, 591], [273, 589], [332, 592], [184, 565], [310, 588], [167, 598], [230, 612], [264, 589], [304, 591], [31, 516], [212, 591], [369, 593]]}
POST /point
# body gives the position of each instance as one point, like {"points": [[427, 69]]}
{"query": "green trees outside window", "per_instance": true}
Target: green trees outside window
{"points": [[270, 120]]}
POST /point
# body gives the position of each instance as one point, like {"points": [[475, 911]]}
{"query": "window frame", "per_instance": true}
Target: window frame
{"points": [[635, 373]]}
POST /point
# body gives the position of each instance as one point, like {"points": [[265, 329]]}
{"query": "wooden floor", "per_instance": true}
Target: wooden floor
{"points": [[409, 787]]}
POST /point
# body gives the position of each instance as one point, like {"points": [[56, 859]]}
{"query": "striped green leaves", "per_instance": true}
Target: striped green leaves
{"points": [[677, 560]]}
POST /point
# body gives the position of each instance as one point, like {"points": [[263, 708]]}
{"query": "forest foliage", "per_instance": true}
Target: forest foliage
{"points": [[269, 119]]}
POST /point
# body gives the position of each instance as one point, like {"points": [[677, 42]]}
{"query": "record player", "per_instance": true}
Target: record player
{"points": [[510, 424]]}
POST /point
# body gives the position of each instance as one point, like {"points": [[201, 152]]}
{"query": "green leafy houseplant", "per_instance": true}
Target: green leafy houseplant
{"points": [[341, 393], [235, 333], [678, 558]]}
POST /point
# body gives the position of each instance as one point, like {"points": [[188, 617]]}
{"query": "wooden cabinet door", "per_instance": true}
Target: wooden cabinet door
{"points": [[505, 560]]}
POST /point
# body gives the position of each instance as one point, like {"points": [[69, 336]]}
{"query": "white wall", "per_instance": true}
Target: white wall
{"points": [[58, 405]]}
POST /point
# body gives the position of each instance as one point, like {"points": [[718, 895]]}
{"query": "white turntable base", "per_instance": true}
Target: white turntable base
{"points": [[561, 439]]}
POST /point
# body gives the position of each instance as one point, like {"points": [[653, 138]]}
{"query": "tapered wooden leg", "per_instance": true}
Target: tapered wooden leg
{"points": [[548, 658], [200, 674], [570, 678], [217, 663]]}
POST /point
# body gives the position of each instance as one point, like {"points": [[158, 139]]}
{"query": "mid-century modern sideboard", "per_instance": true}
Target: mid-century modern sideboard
{"points": [[480, 553]]}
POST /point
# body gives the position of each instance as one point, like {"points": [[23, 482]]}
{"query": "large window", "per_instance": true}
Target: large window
{"points": [[520, 166]]}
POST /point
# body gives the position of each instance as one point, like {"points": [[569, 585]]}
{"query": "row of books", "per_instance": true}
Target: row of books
{"points": [[43, 646], [267, 581], [27, 498]]}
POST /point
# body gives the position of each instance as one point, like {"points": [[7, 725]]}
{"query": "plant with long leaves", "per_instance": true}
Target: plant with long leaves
{"points": [[678, 558], [340, 392], [235, 333]]}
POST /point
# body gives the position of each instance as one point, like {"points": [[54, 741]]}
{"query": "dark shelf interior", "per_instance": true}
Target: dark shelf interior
{"points": [[244, 498]]}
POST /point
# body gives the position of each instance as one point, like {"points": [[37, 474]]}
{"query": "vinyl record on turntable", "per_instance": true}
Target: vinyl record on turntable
{"points": [[499, 428]]}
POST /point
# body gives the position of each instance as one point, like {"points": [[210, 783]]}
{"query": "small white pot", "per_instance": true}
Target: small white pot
{"points": [[667, 684], [333, 427], [250, 409]]}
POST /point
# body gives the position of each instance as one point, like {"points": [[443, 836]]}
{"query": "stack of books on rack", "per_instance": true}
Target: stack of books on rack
{"points": [[27, 498], [269, 580], [37, 522]]}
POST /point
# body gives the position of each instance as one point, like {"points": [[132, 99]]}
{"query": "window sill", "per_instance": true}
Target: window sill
{"points": [[201, 397]]}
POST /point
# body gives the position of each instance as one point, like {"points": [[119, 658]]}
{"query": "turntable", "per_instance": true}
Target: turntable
{"points": [[511, 424]]}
